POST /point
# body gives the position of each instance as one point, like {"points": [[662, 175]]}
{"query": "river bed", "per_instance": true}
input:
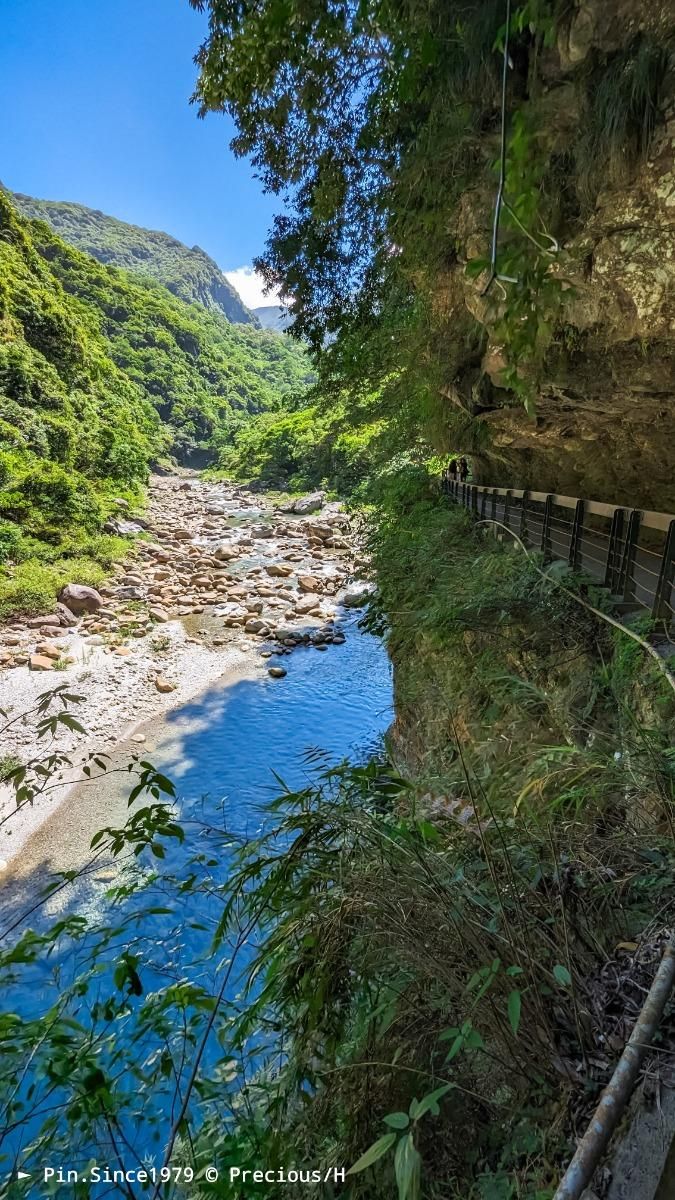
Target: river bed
{"points": [[222, 750]]}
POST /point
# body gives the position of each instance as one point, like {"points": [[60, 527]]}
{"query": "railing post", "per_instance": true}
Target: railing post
{"points": [[474, 498], [524, 532], [507, 506], [577, 530], [493, 511], [664, 587], [546, 529], [626, 580], [483, 503], [613, 567]]}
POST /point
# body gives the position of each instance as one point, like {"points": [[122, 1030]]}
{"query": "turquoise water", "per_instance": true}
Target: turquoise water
{"points": [[224, 752]]}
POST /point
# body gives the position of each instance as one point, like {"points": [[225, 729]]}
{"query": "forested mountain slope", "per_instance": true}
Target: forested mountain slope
{"points": [[186, 271], [100, 373], [202, 373]]}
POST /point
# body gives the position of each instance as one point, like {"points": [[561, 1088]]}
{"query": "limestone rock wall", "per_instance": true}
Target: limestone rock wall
{"points": [[604, 423]]}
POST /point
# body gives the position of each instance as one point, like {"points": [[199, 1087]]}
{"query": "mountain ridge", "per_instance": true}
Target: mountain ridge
{"points": [[189, 273], [273, 316]]}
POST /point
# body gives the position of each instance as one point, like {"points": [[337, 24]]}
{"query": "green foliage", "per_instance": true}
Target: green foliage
{"points": [[188, 273], [622, 106], [380, 125], [101, 373], [202, 374], [32, 586], [304, 449]]}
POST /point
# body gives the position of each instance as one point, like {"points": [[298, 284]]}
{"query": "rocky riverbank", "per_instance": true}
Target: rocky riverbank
{"points": [[219, 583]]}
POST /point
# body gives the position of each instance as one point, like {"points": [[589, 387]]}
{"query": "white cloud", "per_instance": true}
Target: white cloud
{"points": [[250, 285]]}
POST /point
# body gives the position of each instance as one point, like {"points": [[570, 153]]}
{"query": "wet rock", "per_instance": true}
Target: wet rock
{"points": [[80, 599], [277, 672], [279, 569], [40, 662], [322, 531], [224, 552], [309, 583], [254, 625], [307, 604], [356, 594]]}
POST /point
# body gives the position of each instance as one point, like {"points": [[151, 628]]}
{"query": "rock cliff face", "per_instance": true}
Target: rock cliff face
{"points": [[604, 415]]}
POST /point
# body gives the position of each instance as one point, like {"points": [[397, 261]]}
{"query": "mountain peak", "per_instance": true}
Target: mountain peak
{"points": [[189, 273]]}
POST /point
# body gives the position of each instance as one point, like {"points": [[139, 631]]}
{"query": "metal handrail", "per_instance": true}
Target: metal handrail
{"points": [[624, 565]]}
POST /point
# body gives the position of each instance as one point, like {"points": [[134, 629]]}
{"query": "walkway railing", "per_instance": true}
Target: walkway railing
{"points": [[630, 551]]}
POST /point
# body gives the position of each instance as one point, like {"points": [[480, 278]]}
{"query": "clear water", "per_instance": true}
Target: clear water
{"points": [[222, 752]]}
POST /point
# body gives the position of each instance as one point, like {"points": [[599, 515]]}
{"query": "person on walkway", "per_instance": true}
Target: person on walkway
{"points": [[453, 469], [463, 470]]}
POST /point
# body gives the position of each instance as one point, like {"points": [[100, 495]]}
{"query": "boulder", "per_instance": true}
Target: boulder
{"points": [[47, 650], [277, 672], [254, 625], [224, 552], [164, 685], [309, 504], [122, 528], [322, 531], [38, 622], [130, 592], [308, 583], [356, 594], [158, 614], [305, 604], [80, 599], [280, 569], [65, 616], [40, 662]]}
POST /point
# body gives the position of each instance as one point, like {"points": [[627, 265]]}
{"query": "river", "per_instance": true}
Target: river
{"points": [[226, 751]]}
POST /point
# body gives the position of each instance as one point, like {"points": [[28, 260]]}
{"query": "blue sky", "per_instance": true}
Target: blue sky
{"points": [[95, 102]]}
